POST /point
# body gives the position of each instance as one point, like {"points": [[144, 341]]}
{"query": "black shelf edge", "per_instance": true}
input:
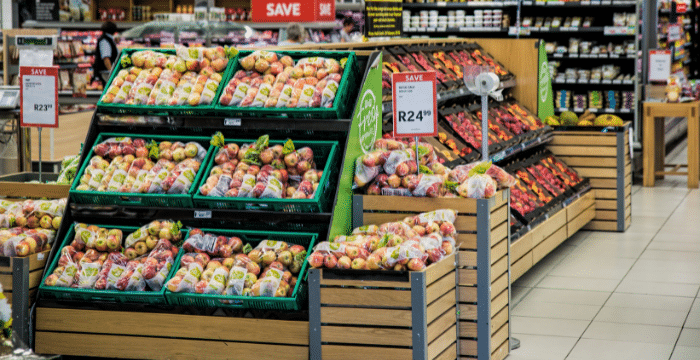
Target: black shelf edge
{"points": [[578, 56], [615, 31], [460, 30], [595, 82], [523, 146]]}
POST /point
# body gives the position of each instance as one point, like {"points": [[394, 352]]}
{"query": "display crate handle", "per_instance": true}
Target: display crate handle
{"points": [[5, 261]]}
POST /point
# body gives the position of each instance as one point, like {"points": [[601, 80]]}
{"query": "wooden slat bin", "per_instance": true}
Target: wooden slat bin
{"points": [[20, 278], [532, 247], [17, 186], [603, 156], [166, 335], [384, 315], [482, 237]]}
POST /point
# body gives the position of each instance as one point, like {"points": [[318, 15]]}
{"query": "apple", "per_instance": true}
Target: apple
{"points": [[416, 264], [269, 257], [51, 280], [32, 222], [344, 262], [113, 243], [228, 263], [253, 268], [20, 221], [352, 251], [22, 248], [165, 234], [358, 264], [191, 150], [330, 261], [179, 154], [141, 248], [316, 260], [373, 262], [101, 244], [151, 242], [55, 223]]}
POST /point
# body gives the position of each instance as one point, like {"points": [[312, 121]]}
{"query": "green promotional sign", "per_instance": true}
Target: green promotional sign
{"points": [[545, 97], [365, 129]]}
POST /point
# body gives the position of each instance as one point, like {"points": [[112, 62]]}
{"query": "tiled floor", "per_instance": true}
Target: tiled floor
{"points": [[619, 296]]}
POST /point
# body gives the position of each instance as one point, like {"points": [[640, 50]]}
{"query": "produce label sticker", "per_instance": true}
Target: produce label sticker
{"points": [[415, 106], [39, 96]]}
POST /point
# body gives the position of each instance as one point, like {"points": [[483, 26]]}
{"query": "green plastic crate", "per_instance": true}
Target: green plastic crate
{"points": [[341, 104], [325, 152], [186, 110], [138, 199], [293, 303], [90, 295]]}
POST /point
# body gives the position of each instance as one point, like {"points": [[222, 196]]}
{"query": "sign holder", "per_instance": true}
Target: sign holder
{"points": [[411, 93], [39, 99]]}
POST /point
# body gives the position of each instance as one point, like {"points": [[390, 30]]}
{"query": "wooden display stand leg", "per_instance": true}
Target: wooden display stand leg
{"points": [[654, 154]]}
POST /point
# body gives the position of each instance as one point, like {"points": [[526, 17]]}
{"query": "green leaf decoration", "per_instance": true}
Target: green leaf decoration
{"points": [[153, 150], [300, 256], [231, 52], [451, 186], [247, 248], [288, 147], [425, 170], [262, 142], [217, 140], [125, 61], [252, 156], [480, 169]]}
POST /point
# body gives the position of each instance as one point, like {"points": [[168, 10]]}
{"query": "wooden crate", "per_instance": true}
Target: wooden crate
{"points": [[482, 238], [20, 278], [530, 248], [164, 335], [16, 186], [604, 158], [387, 315]]}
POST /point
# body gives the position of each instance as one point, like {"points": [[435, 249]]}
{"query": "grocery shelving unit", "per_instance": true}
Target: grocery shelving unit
{"points": [[154, 319], [684, 50]]}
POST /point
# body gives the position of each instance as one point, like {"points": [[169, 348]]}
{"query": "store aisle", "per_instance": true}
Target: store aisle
{"points": [[619, 296]]}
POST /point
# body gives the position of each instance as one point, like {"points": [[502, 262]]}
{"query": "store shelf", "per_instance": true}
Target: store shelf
{"points": [[459, 5], [586, 4], [589, 56], [595, 111], [95, 25], [459, 30], [592, 82], [321, 25], [606, 30]]}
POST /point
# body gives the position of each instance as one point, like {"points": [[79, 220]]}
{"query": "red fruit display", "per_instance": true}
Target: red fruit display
{"points": [[390, 246], [168, 168]]}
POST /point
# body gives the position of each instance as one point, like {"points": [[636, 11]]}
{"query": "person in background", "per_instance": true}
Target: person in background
{"points": [[295, 35], [106, 52], [348, 26]]}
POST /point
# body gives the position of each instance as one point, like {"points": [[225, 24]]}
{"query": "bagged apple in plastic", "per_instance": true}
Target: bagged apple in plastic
{"points": [[88, 274], [217, 283], [247, 185], [249, 97], [364, 174], [192, 276], [307, 93], [189, 53], [67, 278], [317, 62], [236, 281], [238, 95], [396, 158], [221, 187], [285, 96], [429, 186], [441, 215], [397, 228], [273, 189], [209, 92], [200, 242], [272, 245], [261, 96]]}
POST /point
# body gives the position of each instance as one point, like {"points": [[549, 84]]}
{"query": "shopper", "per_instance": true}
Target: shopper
{"points": [[348, 26], [106, 52], [295, 35]]}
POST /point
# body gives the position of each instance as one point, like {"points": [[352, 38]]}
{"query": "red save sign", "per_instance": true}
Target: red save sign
{"points": [[681, 8], [38, 96], [293, 10], [415, 106]]}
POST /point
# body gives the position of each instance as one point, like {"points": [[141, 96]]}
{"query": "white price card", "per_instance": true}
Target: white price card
{"points": [[674, 32], [659, 65], [39, 96], [415, 106]]}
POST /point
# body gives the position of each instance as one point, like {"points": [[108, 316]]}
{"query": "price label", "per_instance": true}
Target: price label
{"points": [[232, 122], [202, 214], [39, 96], [675, 32], [415, 106]]}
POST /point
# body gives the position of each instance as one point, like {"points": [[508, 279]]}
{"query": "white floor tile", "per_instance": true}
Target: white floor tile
{"points": [[538, 347], [693, 320], [632, 332], [535, 308], [671, 255], [666, 265], [552, 327], [644, 274], [689, 337], [685, 353], [568, 296], [652, 302], [674, 246], [517, 293], [574, 283], [687, 238], [656, 288], [641, 316], [594, 349]]}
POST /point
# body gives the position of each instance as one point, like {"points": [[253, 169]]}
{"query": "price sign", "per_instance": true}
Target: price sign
{"points": [[675, 32], [415, 107], [681, 8], [39, 96], [659, 65]]}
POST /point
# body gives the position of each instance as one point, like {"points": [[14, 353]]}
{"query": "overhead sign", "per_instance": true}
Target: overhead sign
{"points": [[292, 10], [39, 96], [383, 18], [659, 65], [415, 106]]}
